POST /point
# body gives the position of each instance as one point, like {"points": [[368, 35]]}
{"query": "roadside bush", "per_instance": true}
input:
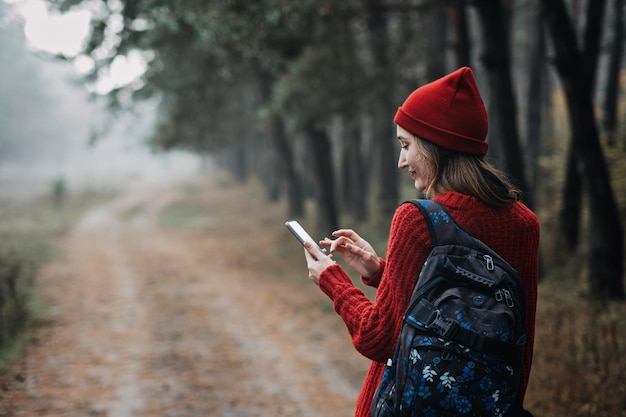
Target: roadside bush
{"points": [[13, 303]]}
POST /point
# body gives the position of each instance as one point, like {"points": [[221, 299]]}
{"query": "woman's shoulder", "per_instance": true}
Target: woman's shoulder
{"points": [[524, 212], [406, 214], [408, 221], [527, 219], [466, 208]]}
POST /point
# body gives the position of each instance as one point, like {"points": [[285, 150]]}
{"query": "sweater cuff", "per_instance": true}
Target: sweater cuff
{"points": [[374, 280], [333, 279]]}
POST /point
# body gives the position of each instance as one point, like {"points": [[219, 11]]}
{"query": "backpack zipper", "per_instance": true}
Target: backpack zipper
{"points": [[504, 294], [489, 260]]}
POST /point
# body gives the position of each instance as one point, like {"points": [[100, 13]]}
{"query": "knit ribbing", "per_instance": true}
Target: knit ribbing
{"points": [[512, 231]]}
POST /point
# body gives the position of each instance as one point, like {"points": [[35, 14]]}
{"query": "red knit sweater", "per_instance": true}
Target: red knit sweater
{"points": [[512, 231]]}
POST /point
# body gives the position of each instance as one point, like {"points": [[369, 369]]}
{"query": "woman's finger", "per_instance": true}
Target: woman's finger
{"points": [[349, 233], [340, 243]]}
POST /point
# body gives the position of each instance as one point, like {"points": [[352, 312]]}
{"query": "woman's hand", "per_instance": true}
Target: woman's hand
{"points": [[356, 251], [316, 260]]}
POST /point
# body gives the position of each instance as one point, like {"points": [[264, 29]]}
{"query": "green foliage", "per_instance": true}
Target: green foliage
{"points": [[13, 297], [328, 78], [59, 190], [132, 213], [186, 214]]}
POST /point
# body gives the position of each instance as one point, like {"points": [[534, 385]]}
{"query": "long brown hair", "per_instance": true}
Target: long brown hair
{"points": [[466, 174]]}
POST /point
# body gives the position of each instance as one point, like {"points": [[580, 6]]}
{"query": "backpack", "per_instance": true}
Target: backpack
{"points": [[461, 346]]}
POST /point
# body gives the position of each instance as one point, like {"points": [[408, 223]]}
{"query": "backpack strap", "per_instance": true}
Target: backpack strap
{"points": [[441, 225]]}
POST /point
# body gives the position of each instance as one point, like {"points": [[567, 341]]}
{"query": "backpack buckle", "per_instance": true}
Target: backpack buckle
{"points": [[432, 320], [443, 327]]}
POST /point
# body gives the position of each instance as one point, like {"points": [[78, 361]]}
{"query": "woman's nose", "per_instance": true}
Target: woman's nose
{"points": [[401, 161]]}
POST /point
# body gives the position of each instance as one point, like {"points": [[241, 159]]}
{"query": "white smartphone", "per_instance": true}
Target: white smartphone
{"points": [[299, 232]]}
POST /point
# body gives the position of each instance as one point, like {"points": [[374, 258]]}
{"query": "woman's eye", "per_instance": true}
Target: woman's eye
{"points": [[405, 145]]}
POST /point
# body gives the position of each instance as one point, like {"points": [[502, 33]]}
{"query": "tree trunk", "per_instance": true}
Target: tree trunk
{"points": [[275, 130], [238, 166], [437, 26], [384, 165], [353, 172], [497, 61], [319, 148], [535, 110], [385, 168], [569, 218], [606, 238], [591, 42], [267, 167], [462, 44], [615, 63], [571, 209]]}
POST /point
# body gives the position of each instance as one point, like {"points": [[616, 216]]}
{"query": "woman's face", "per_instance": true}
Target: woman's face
{"points": [[412, 159]]}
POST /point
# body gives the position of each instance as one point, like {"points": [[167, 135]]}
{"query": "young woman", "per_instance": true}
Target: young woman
{"points": [[442, 128]]}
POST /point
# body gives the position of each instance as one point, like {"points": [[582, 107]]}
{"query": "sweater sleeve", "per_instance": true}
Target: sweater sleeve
{"points": [[374, 326]]}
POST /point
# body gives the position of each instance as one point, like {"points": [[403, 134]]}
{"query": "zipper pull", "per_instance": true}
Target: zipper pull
{"points": [[499, 295], [508, 297], [489, 261]]}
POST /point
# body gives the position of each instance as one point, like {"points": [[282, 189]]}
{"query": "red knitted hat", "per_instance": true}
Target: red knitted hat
{"points": [[448, 112]]}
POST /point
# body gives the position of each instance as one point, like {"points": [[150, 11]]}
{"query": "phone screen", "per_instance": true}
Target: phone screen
{"points": [[299, 232]]}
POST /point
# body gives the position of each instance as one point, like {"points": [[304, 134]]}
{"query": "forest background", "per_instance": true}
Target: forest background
{"points": [[300, 97]]}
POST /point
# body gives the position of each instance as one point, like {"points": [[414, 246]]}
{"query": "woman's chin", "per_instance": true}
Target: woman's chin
{"points": [[419, 186]]}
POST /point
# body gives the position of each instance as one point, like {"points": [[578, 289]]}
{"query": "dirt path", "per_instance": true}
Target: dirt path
{"points": [[156, 321]]}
